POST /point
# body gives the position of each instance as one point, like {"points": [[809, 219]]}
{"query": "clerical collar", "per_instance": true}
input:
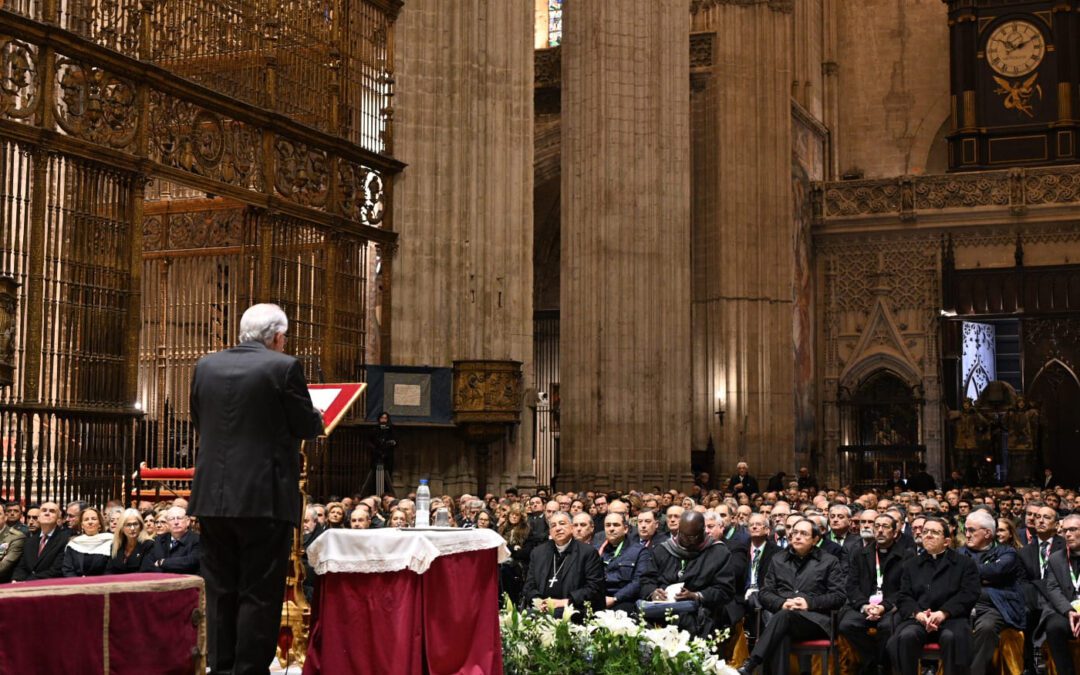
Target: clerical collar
{"points": [[935, 556], [562, 549]]}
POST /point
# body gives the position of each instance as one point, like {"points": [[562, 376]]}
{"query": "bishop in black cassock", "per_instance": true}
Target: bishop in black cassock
{"points": [[564, 571]]}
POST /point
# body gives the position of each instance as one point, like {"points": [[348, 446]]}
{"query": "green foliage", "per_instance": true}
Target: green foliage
{"points": [[605, 643]]}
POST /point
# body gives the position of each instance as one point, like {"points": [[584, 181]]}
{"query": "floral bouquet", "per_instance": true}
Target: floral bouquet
{"points": [[605, 643]]}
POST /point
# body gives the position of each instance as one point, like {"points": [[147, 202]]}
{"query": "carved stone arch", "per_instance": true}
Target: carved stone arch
{"points": [[870, 364]]}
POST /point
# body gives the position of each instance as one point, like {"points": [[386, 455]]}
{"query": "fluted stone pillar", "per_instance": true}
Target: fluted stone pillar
{"points": [[744, 237], [625, 297], [463, 206]]}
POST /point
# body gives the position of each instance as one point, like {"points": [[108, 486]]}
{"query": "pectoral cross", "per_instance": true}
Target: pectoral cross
{"points": [[552, 580]]}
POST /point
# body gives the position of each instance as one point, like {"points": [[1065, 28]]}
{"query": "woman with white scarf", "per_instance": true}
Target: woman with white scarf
{"points": [[88, 554]]}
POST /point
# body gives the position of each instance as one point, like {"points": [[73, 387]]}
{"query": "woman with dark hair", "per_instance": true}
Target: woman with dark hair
{"points": [[515, 530], [87, 555], [131, 545]]}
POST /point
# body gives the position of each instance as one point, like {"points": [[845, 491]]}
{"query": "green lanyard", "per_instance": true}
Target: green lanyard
{"points": [[618, 549], [1075, 578], [879, 572]]}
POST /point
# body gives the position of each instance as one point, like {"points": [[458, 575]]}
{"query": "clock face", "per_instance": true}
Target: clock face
{"points": [[1015, 48]]}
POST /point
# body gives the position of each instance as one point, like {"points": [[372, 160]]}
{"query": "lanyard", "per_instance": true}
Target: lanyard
{"points": [[682, 568], [755, 562], [1073, 575], [1042, 558], [879, 572], [614, 555]]}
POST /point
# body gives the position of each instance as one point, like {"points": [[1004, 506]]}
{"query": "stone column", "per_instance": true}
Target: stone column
{"points": [[744, 238], [463, 207], [625, 297]]}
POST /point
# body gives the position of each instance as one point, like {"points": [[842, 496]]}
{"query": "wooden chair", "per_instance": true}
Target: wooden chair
{"points": [[1008, 657], [1051, 667], [736, 649]]}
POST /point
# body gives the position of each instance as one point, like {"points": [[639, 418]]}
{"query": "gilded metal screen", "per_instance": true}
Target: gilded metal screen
{"points": [[65, 423], [184, 160]]}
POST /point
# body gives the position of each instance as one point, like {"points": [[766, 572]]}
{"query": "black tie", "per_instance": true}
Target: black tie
{"points": [[1045, 557], [173, 544]]}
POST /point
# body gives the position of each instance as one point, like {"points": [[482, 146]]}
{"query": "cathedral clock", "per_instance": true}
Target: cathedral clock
{"points": [[1014, 73]]}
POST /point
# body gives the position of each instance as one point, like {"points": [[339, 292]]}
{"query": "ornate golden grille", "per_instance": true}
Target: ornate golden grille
{"points": [[141, 214]]}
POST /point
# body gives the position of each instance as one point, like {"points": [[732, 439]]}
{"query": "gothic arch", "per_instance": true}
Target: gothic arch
{"points": [[861, 371], [1048, 368]]}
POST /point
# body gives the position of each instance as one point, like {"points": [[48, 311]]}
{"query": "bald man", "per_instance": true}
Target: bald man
{"points": [[43, 553], [704, 568]]}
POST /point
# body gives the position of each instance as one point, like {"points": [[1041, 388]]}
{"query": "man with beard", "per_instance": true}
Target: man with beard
{"points": [[702, 565], [563, 571], [803, 586], [938, 589], [873, 586], [1060, 620], [1001, 601]]}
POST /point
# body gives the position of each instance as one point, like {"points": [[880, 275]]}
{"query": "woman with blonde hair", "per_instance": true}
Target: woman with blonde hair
{"points": [[131, 544], [87, 555]]}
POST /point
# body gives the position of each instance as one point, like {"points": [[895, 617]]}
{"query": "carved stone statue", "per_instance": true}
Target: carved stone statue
{"points": [[969, 424], [1022, 424]]}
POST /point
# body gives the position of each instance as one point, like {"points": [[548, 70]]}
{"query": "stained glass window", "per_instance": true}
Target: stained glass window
{"points": [[554, 22]]}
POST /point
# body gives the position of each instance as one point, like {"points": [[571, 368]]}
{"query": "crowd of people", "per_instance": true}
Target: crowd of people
{"points": [[888, 570]]}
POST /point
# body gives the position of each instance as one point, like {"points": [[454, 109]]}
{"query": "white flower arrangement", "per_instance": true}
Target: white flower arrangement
{"points": [[604, 643]]}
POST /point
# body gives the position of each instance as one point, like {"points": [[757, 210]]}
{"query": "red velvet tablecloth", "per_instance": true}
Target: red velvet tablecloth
{"points": [[440, 622], [130, 624]]}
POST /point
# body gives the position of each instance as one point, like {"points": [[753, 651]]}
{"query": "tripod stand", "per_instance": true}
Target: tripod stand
{"points": [[381, 478]]}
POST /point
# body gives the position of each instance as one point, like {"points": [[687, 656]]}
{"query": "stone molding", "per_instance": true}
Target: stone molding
{"points": [[909, 197]]}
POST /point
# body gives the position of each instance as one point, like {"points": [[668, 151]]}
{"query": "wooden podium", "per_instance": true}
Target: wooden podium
{"points": [[333, 401]]}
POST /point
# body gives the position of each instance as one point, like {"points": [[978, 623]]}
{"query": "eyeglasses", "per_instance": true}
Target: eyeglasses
{"points": [[1069, 530], [136, 524], [933, 533]]}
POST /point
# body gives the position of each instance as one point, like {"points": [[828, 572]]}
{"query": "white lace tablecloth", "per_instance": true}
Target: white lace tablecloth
{"points": [[392, 550]]}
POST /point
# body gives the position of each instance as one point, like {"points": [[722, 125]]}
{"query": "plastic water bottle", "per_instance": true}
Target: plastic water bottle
{"points": [[423, 504]]}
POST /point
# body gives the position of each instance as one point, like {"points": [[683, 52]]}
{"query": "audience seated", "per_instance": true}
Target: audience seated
{"points": [[938, 589], [873, 587], [803, 587], [12, 541], [625, 562], [176, 551], [43, 553], [702, 569], [87, 554], [131, 544], [564, 571]]}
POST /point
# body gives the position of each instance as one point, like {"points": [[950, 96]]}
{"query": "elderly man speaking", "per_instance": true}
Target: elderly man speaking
{"points": [[251, 406]]}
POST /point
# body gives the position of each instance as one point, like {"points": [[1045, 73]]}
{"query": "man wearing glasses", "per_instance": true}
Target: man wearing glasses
{"points": [[802, 587], [938, 589], [873, 586], [1061, 618], [1001, 600]]}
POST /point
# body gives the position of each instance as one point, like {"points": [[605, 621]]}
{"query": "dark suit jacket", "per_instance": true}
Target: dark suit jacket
{"points": [[252, 409], [953, 587], [580, 578], [749, 484], [1035, 585], [118, 564], [50, 564], [183, 560], [862, 582], [820, 580], [1059, 588]]}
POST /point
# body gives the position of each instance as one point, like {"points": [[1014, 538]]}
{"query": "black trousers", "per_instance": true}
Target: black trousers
{"points": [[244, 561], [906, 645], [871, 648], [1058, 635], [774, 645]]}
